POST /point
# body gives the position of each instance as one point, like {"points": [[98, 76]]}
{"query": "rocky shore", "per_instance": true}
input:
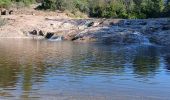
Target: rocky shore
{"points": [[55, 26]]}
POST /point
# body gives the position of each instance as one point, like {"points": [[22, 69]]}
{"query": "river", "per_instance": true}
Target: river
{"points": [[44, 70]]}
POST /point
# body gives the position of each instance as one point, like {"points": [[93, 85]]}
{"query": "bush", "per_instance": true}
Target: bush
{"points": [[5, 3], [167, 10], [103, 8], [110, 8]]}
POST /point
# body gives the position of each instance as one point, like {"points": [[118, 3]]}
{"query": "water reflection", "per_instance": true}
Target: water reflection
{"points": [[146, 62], [26, 65], [167, 59]]}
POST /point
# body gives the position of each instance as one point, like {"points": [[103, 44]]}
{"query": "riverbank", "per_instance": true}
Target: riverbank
{"points": [[29, 23]]}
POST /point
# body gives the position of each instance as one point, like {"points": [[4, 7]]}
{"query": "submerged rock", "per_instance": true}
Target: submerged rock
{"points": [[49, 35]]}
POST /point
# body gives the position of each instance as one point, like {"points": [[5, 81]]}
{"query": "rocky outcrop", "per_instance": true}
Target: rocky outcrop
{"points": [[139, 31], [156, 31], [122, 31]]}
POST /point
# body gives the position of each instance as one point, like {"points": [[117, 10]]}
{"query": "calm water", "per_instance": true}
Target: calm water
{"points": [[43, 70]]}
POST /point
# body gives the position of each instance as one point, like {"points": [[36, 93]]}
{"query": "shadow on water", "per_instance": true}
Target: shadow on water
{"points": [[26, 65]]}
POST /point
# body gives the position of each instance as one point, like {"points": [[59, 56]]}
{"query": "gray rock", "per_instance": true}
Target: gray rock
{"points": [[49, 35], [161, 38]]}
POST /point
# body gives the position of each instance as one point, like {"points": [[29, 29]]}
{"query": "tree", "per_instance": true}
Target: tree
{"points": [[167, 9], [111, 8], [152, 8]]}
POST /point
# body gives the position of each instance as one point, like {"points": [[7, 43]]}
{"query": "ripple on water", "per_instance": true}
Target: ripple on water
{"points": [[65, 70]]}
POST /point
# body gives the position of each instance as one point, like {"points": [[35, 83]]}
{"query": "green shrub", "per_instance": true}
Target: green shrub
{"points": [[167, 10], [103, 8], [5, 3]]}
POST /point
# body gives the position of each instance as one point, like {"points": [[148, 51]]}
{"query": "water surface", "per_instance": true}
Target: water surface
{"points": [[42, 70]]}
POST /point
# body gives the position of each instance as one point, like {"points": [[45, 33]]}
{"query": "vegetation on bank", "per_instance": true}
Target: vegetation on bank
{"points": [[105, 8], [113, 8], [8, 3]]}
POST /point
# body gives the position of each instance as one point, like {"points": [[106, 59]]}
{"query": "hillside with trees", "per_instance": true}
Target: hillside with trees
{"points": [[104, 8]]}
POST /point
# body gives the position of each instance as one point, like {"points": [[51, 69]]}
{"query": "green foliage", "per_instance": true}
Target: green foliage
{"points": [[4, 3], [112, 8], [152, 8], [26, 2], [49, 4], [7, 3], [167, 9], [104, 8]]}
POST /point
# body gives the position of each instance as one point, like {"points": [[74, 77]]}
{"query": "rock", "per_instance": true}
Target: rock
{"points": [[166, 27], [75, 38], [161, 38], [4, 12], [41, 33], [90, 24], [11, 12], [34, 32], [70, 37], [49, 35]]}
